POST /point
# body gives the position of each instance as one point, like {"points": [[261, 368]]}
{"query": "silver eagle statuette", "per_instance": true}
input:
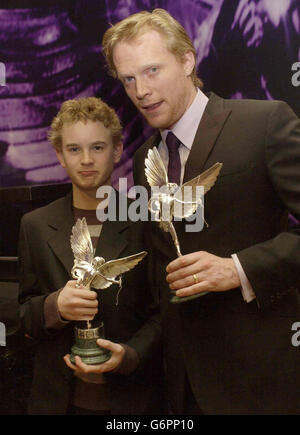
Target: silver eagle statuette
{"points": [[95, 272], [172, 200]]}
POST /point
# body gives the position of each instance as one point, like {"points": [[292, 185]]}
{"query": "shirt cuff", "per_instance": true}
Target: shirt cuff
{"points": [[52, 317], [247, 290]]}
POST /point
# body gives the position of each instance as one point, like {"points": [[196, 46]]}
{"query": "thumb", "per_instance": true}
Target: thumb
{"points": [[105, 343], [109, 345]]}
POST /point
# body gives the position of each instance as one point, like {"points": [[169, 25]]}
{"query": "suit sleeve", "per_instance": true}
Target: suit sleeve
{"points": [[273, 266], [32, 293]]}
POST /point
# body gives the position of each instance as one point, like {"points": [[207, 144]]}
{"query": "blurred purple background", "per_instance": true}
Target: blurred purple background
{"points": [[245, 49]]}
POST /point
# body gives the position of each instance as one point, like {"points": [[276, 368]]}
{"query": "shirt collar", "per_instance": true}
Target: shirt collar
{"points": [[185, 129]]}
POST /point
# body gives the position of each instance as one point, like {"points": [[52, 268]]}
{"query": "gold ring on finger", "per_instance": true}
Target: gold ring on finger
{"points": [[195, 278]]}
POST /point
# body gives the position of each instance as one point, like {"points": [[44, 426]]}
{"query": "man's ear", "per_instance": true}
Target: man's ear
{"points": [[118, 149], [60, 158], [188, 62]]}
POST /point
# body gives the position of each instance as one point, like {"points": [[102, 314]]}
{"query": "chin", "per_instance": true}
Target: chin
{"points": [[158, 123]]}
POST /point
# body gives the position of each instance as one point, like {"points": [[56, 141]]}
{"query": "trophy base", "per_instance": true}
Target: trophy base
{"points": [[179, 300], [87, 348]]}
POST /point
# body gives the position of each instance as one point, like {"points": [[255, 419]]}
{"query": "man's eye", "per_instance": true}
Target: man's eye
{"points": [[98, 147], [154, 69], [128, 80]]}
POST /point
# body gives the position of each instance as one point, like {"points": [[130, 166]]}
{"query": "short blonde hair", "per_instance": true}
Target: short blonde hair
{"points": [[84, 109], [177, 40]]}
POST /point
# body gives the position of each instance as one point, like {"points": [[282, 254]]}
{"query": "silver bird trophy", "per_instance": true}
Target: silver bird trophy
{"points": [[94, 272], [172, 200]]}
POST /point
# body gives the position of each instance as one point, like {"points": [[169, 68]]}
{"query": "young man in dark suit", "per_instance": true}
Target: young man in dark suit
{"points": [[86, 135], [229, 351]]}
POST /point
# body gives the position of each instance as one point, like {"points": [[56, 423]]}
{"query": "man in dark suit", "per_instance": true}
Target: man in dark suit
{"points": [[228, 351], [86, 134]]}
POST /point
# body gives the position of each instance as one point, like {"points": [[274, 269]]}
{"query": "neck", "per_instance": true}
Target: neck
{"points": [[86, 199], [191, 93], [191, 97]]}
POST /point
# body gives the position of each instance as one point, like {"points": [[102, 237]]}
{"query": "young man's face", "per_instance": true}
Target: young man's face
{"points": [[154, 79], [88, 154]]}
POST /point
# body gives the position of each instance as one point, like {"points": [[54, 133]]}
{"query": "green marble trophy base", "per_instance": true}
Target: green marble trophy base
{"points": [[179, 300], [87, 348]]}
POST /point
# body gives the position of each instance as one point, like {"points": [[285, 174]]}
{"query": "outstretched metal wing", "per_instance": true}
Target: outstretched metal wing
{"points": [[81, 242], [114, 268], [187, 198], [155, 170]]}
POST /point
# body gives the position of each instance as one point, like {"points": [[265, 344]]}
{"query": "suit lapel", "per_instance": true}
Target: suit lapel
{"points": [[153, 141], [211, 124], [112, 240], [62, 221]]}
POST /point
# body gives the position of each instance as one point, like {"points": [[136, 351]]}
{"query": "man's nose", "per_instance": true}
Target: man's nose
{"points": [[141, 88]]}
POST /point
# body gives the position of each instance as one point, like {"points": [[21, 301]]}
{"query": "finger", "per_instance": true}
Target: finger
{"points": [[81, 366], [68, 362], [85, 303], [189, 281], [184, 261], [83, 318], [117, 353], [196, 288], [185, 272], [86, 294], [72, 283], [109, 345]]}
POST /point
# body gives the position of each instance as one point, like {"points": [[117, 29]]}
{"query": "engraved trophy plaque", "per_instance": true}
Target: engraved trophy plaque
{"points": [[94, 272], [170, 201]]}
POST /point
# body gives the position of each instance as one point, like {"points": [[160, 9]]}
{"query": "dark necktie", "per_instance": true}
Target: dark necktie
{"points": [[174, 167]]}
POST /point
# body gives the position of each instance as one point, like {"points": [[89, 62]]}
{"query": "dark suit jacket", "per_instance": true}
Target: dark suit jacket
{"points": [[238, 356], [46, 260]]}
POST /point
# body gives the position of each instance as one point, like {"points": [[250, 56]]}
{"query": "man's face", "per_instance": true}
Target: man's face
{"points": [[154, 79], [88, 154]]}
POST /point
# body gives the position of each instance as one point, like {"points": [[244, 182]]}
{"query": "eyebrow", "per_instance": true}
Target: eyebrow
{"points": [[143, 69], [97, 142]]}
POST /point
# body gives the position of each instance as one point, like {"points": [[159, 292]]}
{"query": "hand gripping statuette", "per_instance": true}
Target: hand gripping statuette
{"points": [[170, 201], [94, 272]]}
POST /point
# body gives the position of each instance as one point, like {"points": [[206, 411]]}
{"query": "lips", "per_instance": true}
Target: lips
{"points": [[152, 107], [87, 173]]}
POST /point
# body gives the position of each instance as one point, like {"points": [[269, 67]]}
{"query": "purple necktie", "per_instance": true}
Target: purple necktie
{"points": [[174, 167]]}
